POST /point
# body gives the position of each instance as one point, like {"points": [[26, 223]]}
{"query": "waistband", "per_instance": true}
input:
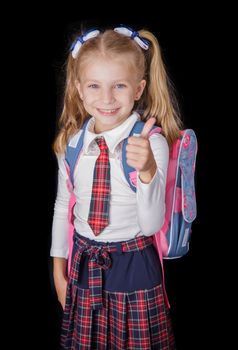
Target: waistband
{"points": [[133, 244], [99, 258]]}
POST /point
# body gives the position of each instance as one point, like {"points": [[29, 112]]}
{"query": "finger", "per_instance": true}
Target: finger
{"points": [[132, 163], [137, 141], [134, 156], [136, 148], [147, 128]]}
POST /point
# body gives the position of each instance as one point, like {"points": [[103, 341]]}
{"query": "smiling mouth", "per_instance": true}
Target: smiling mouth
{"points": [[107, 111]]}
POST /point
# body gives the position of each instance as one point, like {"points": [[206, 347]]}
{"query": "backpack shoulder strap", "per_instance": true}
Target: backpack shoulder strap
{"points": [[136, 131], [73, 150]]}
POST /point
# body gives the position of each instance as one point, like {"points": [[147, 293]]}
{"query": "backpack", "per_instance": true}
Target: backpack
{"points": [[172, 240]]}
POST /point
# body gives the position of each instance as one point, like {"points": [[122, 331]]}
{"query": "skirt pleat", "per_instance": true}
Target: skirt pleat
{"points": [[128, 321], [117, 320]]}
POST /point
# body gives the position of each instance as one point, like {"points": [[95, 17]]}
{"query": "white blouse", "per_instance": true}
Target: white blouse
{"points": [[131, 214]]}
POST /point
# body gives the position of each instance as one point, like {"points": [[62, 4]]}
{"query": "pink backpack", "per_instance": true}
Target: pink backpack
{"points": [[172, 240]]}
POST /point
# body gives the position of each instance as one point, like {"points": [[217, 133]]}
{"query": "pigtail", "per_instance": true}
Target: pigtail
{"points": [[73, 112], [159, 99]]}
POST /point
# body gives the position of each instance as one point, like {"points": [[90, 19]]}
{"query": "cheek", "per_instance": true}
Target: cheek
{"points": [[90, 100], [127, 97]]}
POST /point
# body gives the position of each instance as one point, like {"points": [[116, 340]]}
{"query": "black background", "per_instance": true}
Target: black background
{"points": [[37, 53]]}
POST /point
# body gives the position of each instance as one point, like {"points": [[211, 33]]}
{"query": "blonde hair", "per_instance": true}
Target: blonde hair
{"points": [[156, 101]]}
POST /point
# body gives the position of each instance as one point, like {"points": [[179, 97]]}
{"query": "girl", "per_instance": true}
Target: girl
{"points": [[113, 296]]}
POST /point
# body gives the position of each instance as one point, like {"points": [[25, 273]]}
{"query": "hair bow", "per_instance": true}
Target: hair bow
{"points": [[143, 43], [75, 47]]}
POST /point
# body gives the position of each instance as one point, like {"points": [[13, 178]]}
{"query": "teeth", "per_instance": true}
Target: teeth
{"points": [[108, 110]]}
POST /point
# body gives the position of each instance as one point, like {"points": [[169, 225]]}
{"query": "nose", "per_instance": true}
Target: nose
{"points": [[107, 96]]}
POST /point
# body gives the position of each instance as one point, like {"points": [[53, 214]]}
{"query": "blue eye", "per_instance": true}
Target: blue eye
{"points": [[93, 86], [120, 86]]}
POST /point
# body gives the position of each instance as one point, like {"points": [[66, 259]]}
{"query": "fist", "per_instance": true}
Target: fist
{"points": [[139, 154]]}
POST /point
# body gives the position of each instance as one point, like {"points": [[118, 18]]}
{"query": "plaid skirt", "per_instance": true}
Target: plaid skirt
{"points": [[115, 298]]}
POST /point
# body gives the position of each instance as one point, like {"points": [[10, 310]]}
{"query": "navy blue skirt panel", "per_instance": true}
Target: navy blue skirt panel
{"points": [[129, 271]]}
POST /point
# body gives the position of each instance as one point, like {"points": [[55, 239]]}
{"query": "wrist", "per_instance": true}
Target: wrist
{"points": [[147, 176]]}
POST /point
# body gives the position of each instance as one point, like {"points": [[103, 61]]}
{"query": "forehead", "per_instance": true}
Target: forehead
{"points": [[107, 66]]}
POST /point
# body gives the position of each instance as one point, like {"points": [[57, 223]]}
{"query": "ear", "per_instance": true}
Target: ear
{"points": [[78, 87], [140, 89]]}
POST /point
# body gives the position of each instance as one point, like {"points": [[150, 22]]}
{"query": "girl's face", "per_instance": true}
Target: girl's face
{"points": [[108, 88]]}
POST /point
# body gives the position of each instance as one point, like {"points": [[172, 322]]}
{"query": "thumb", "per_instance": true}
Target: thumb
{"points": [[147, 128]]}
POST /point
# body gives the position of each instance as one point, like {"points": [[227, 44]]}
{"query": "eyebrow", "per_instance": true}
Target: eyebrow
{"points": [[113, 82]]}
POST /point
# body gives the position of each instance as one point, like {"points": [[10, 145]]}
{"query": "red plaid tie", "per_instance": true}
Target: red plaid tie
{"points": [[98, 217]]}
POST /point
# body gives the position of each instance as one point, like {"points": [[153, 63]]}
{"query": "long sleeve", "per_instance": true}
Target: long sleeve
{"points": [[59, 245], [151, 197]]}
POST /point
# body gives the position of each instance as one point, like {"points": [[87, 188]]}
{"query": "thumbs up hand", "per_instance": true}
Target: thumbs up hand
{"points": [[139, 154]]}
